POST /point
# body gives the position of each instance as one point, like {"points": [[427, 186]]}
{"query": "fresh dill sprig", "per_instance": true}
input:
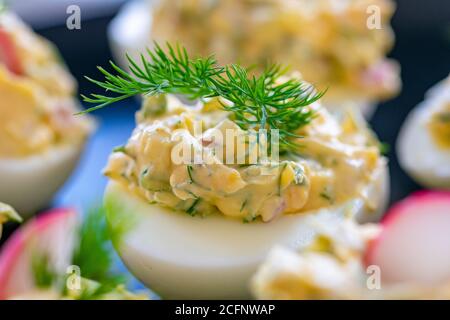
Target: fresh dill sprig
{"points": [[257, 102], [173, 72]]}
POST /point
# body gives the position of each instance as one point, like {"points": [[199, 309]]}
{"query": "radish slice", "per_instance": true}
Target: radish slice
{"points": [[414, 245], [8, 53], [184, 257], [50, 235]]}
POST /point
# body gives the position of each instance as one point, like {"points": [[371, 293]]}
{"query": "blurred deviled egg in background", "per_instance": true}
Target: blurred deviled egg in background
{"points": [[423, 146], [404, 257], [40, 138], [329, 41], [7, 213]]}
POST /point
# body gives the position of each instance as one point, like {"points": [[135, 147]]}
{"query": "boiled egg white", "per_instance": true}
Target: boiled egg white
{"points": [[418, 152]]}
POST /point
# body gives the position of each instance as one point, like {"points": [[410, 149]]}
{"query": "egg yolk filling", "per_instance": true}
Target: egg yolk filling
{"points": [[37, 91], [439, 127], [333, 163], [332, 42]]}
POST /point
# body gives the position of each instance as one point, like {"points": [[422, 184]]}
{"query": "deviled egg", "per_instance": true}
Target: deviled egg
{"points": [[404, 257], [341, 44], [40, 139], [178, 226], [190, 211], [7, 213], [424, 141]]}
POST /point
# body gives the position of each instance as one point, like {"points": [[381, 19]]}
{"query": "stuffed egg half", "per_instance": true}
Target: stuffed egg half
{"points": [[331, 42], [424, 142], [191, 230], [40, 138]]}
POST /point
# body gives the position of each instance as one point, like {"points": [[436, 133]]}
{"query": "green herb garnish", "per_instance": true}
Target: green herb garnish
{"points": [[250, 218], [3, 6], [385, 148], [191, 209], [258, 102], [93, 254], [244, 204], [94, 258], [189, 171], [121, 149], [43, 274]]}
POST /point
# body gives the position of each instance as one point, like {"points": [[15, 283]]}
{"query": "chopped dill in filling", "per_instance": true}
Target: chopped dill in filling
{"points": [[318, 154]]}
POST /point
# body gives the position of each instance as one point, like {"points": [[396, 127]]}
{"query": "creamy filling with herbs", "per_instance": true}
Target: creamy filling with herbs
{"points": [[330, 40], [37, 91], [439, 127], [334, 162]]}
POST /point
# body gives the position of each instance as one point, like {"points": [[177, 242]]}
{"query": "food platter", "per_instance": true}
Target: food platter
{"points": [[337, 140]]}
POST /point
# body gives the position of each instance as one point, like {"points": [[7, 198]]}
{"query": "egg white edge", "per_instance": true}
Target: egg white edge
{"points": [[28, 184]]}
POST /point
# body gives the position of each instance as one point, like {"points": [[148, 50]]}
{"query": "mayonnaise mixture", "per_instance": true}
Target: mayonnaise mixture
{"points": [[328, 40], [335, 161], [37, 91]]}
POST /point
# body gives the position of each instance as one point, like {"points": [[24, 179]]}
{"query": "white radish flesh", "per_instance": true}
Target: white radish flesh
{"points": [[414, 245]]}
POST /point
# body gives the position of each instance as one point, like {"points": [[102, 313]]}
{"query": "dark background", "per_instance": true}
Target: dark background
{"points": [[422, 47]]}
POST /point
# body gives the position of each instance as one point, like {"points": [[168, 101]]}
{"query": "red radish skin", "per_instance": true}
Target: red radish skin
{"points": [[15, 260], [8, 53], [422, 253]]}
